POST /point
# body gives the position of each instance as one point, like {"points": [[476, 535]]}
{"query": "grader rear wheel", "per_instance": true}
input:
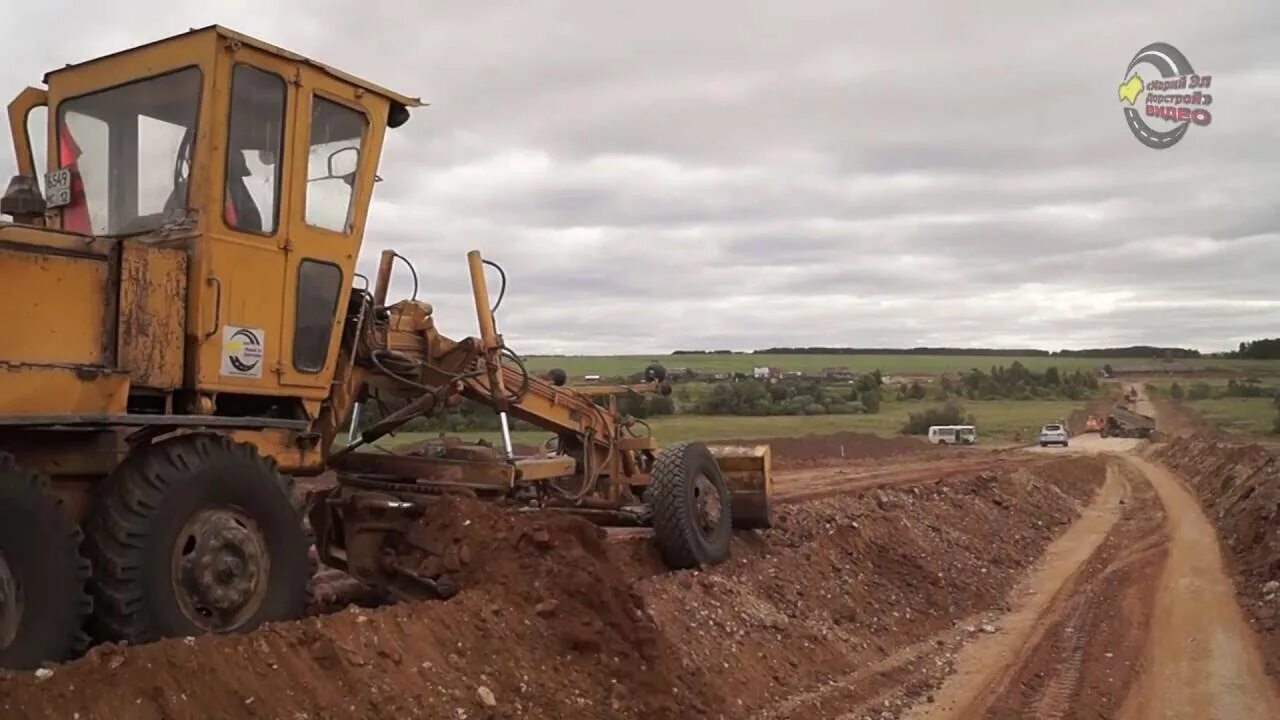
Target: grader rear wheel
{"points": [[196, 535], [42, 574], [691, 505]]}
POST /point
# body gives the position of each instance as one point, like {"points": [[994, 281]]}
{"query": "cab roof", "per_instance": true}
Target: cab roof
{"points": [[394, 97]]}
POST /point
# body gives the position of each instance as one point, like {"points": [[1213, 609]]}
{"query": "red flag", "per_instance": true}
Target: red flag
{"points": [[75, 217]]}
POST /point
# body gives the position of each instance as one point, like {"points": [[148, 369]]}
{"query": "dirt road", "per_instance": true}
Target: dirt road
{"points": [[1129, 614], [986, 667], [812, 484], [1203, 660]]}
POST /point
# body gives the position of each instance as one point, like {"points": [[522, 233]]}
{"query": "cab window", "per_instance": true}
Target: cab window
{"points": [[254, 138], [128, 150], [319, 287], [337, 136]]}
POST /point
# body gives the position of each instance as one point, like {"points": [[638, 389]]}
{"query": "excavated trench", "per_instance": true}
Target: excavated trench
{"points": [[905, 582], [854, 594]]}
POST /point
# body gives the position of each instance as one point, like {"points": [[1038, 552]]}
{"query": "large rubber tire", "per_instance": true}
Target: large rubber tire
{"points": [[46, 602], [674, 498], [151, 500]]}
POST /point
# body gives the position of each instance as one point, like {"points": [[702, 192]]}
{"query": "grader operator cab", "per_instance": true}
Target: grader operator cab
{"points": [[182, 332]]}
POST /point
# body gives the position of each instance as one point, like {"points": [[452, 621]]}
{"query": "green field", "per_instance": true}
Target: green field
{"points": [[620, 365], [1239, 416], [1245, 416], [997, 420]]}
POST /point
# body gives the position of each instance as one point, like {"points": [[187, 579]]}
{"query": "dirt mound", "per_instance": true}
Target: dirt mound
{"points": [[546, 625], [808, 450], [1239, 486], [853, 606], [852, 601], [1179, 420]]}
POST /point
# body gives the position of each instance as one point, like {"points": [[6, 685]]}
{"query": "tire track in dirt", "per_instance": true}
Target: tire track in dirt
{"points": [[873, 626], [1056, 697], [1202, 660], [1089, 652], [1146, 626], [988, 666], [870, 681], [793, 486]]}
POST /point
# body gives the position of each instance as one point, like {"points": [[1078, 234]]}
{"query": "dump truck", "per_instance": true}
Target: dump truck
{"points": [[185, 333], [1124, 422]]}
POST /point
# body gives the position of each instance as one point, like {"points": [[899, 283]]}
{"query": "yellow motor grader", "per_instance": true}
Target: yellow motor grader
{"points": [[183, 332]]}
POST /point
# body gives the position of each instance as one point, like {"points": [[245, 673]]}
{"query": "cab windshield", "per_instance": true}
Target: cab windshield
{"points": [[129, 152]]}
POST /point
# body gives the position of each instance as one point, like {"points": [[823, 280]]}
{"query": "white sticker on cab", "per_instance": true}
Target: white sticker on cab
{"points": [[242, 350]]}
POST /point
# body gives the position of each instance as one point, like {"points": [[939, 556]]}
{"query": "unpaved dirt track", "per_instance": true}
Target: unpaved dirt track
{"points": [[985, 666], [837, 479], [1130, 614], [1203, 660]]}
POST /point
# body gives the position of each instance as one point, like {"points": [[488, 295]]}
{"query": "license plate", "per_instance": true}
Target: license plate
{"points": [[57, 186]]}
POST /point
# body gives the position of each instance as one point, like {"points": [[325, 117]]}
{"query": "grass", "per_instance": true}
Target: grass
{"points": [[997, 420], [619, 365], [1251, 417]]}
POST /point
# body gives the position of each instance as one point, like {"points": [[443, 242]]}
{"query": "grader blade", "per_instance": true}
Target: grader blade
{"points": [[748, 471]]}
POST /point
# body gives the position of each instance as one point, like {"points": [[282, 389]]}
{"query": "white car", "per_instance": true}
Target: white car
{"points": [[1054, 434]]}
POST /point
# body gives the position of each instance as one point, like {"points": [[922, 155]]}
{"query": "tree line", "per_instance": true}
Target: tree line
{"points": [[797, 397], [1132, 351], [1247, 388], [995, 352], [1017, 382], [1144, 351], [1264, 349]]}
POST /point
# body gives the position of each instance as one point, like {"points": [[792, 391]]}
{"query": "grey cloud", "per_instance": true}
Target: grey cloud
{"points": [[715, 174]]}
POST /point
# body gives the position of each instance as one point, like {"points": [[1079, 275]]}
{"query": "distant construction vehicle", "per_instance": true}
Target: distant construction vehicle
{"points": [[185, 331], [1123, 422]]}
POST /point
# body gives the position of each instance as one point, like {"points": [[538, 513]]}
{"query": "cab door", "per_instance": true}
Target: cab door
{"points": [[334, 159], [241, 343]]}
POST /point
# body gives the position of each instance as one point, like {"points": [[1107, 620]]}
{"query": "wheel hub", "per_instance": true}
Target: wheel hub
{"points": [[10, 604], [220, 569], [706, 498]]}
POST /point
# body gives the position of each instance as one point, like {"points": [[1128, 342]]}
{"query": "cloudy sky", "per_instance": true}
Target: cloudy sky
{"points": [[665, 175]]}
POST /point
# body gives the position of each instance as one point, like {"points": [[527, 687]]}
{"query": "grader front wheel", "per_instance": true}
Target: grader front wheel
{"points": [[691, 507], [195, 535]]}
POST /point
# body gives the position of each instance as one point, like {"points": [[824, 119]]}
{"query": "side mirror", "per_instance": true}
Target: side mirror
{"points": [[343, 163]]}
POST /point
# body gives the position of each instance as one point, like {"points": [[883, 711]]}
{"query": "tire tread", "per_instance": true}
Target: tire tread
{"points": [[669, 499], [17, 481], [118, 528]]}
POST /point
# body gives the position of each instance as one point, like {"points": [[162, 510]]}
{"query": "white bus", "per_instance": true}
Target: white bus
{"points": [[953, 434]]}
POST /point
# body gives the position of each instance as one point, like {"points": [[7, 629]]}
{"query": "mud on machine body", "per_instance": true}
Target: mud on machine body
{"points": [[184, 333]]}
